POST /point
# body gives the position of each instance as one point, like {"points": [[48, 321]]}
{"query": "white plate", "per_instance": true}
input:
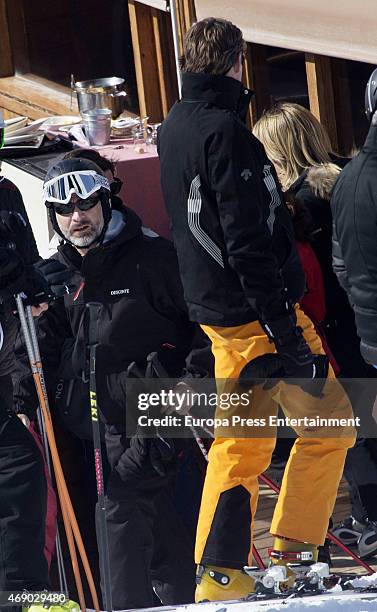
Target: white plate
{"points": [[11, 140], [14, 124], [35, 143], [57, 122], [28, 129]]}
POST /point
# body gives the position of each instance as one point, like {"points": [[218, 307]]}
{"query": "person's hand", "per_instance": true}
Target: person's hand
{"points": [[152, 448], [291, 346], [48, 279], [39, 309], [25, 420], [268, 369], [182, 401]]}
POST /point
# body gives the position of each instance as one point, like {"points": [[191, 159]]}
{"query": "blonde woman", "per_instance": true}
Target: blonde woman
{"points": [[300, 149]]}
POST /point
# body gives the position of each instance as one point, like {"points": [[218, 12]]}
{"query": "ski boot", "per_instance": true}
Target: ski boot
{"points": [[221, 583], [367, 542], [289, 560], [68, 606], [349, 531]]}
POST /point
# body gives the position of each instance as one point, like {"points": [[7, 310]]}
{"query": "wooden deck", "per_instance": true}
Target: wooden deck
{"points": [[263, 539]]}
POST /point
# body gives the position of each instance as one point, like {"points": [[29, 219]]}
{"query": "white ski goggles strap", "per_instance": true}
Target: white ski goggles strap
{"points": [[83, 183]]}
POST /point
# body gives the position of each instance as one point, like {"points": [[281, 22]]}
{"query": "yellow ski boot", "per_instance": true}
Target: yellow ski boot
{"points": [[68, 606], [221, 583], [290, 553]]}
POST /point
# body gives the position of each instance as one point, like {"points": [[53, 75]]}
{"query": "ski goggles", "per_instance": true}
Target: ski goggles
{"points": [[83, 183], [68, 209]]}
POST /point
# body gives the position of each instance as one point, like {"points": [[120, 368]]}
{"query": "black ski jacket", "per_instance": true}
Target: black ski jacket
{"points": [[354, 208], [231, 227], [11, 201], [313, 188], [136, 278]]}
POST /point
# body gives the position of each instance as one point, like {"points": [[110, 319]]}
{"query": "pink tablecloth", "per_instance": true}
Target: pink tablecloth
{"points": [[141, 191]]}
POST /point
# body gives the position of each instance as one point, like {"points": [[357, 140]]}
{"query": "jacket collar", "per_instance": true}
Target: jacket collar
{"points": [[221, 91], [371, 139]]}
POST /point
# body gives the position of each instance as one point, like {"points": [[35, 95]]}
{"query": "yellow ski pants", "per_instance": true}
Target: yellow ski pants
{"points": [[313, 471]]}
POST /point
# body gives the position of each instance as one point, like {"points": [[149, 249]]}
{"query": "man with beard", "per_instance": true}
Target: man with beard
{"points": [[135, 276]]}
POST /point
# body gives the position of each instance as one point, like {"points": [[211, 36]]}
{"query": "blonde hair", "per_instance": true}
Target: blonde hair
{"points": [[294, 140]]}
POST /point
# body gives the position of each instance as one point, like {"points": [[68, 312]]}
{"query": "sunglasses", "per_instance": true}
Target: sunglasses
{"points": [[68, 209], [115, 186]]}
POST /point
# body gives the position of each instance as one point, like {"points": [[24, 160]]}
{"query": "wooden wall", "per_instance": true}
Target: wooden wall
{"points": [[24, 92]]}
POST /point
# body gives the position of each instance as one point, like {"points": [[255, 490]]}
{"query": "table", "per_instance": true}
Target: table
{"points": [[141, 190]]}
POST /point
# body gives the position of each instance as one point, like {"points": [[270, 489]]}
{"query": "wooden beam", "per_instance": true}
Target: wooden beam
{"points": [[18, 36], [6, 57], [247, 78], [160, 61], [258, 80], [321, 94], [186, 17], [342, 102], [189, 12], [146, 62], [43, 97], [168, 59]]}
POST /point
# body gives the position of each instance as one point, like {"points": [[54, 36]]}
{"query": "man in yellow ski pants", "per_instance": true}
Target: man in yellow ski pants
{"points": [[242, 278], [312, 475]]}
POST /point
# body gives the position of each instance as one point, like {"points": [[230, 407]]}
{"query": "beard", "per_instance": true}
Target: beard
{"points": [[84, 238]]}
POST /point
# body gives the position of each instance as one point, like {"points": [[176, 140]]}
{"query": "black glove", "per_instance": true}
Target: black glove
{"points": [[268, 369], [151, 447], [296, 356], [48, 279]]}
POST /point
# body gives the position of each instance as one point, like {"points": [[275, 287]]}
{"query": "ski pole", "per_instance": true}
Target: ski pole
{"points": [[94, 309], [69, 518], [42, 428], [31, 342], [329, 535], [162, 373]]}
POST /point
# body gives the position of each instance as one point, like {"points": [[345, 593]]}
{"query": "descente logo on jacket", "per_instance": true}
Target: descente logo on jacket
{"points": [[119, 291]]}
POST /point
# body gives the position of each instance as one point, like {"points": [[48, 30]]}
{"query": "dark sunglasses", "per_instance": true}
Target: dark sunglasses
{"points": [[68, 209], [115, 186]]}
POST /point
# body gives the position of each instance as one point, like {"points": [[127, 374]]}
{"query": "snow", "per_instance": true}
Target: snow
{"points": [[365, 581], [333, 601]]}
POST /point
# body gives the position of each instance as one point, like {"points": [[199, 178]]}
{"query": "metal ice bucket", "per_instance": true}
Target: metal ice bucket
{"points": [[97, 122], [101, 93]]}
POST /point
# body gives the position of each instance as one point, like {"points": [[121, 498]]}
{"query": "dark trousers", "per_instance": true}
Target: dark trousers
{"points": [[150, 549], [23, 497], [360, 470]]}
